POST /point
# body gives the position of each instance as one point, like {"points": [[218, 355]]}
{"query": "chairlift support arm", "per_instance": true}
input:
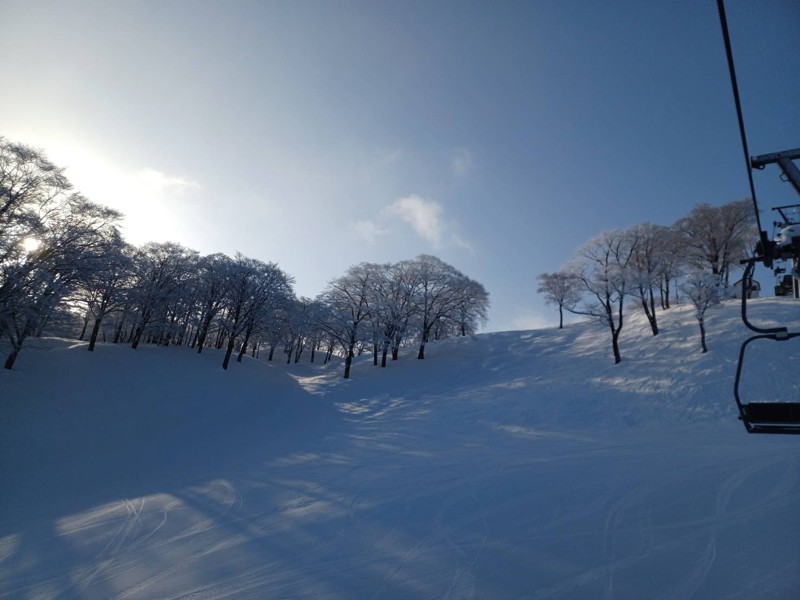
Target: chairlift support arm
{"points": [[785, 161]]}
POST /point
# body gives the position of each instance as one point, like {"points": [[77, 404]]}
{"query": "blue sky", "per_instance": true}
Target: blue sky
{"points": [[498, 136]]}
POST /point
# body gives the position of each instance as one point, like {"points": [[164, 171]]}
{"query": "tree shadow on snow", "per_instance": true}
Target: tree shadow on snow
{"points": [[57, 465]]}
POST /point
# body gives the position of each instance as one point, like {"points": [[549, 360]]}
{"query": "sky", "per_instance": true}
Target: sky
{"points": [[498, 136]]}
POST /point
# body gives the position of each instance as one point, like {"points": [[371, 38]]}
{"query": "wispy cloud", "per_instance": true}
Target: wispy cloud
{"points": [[369, 230], [162, 184], [424, 216]]}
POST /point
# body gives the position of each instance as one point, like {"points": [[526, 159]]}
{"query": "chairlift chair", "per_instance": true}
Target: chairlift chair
{"points": [[766, 417]]}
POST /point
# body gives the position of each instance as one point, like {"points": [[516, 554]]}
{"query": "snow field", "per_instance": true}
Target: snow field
{"points": [[509, 465]]}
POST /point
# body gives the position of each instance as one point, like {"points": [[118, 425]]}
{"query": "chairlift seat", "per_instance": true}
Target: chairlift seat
{"points": [[771, 417]]}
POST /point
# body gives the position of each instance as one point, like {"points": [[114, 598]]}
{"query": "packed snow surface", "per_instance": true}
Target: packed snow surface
{"points": [[508, 465]]}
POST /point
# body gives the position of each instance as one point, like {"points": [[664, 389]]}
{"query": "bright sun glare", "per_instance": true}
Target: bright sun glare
{"points": [[31, 244]]}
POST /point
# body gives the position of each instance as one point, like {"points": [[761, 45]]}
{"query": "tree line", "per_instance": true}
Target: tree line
{"points": [[646, 263], [62, 257]]}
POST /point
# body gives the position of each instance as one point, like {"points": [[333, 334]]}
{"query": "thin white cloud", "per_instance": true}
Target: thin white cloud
{"points": [[163, 184], [369, 230], [461, 162], [424, 216], [460, 241]]}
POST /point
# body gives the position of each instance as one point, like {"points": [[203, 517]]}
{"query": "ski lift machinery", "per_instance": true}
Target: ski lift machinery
{"points": [[767, 417]]}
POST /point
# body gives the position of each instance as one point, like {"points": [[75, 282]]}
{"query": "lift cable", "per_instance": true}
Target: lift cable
{"points": [[723, 20]]}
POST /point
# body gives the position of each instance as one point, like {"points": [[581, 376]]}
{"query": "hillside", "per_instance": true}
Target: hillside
{"points": [[508, 465]]}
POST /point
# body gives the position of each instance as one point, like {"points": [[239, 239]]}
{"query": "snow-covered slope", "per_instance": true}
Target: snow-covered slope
{"points": [[508, 465]]}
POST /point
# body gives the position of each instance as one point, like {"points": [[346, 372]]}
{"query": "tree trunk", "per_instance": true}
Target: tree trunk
{"points": [[348, 361], [383, 356], [95, 331], [561, 316], [137, 336], [650, 313], [615, 328], [138, 331], [243, 349], [202, 332], [653, 323], [11, 359], [615, 347], [118, 332], [703, 346], [426, 332], [374, 355], [85, 325], [131, 333], [228, 352]]}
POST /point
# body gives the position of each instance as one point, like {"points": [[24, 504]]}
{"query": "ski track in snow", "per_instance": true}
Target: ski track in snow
{"points": [[112, 549], [459, 535]]}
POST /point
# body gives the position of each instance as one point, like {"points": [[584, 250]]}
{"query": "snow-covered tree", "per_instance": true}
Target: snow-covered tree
{"points": [[602, 270], [347, 308], [440, 290], [106, 287], [162, 273], [71, 239], [212, 286], [301, 330], [652, 259], [703, 290], [255, 288], [560, 289], [472, 308], [392, 305], [403, 305], [672, 261], [30, 187], [717, 237]]}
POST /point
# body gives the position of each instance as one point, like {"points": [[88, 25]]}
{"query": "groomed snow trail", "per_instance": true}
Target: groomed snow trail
{"points": [[452, 478], [399, 514]]}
